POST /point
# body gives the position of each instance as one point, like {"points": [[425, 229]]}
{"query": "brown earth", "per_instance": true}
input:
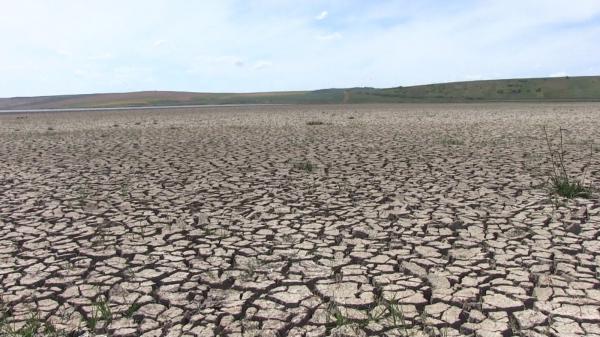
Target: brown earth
{"points": [[414, 220]]}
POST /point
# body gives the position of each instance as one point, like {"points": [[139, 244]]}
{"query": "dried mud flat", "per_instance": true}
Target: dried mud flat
{"points": [[415, 220]]}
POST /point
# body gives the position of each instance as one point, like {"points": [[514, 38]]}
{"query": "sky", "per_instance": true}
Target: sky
{"points": [[74, 46]]}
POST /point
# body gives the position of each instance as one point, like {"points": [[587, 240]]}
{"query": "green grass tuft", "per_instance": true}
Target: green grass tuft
{"points": [[452, 141], [132, 310], [100, 312], [570, 189], [336, 316], [32, 327], [305, 165], [561, 183]]}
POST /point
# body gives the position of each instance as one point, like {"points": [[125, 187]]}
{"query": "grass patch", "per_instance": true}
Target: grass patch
{"points": [[336, 316], [29, 329], [100, 312], [570, 189], [249, 270], [305, 165], [388, 312], [452, 141], [561, 183], [132, 310], [32, 327]]}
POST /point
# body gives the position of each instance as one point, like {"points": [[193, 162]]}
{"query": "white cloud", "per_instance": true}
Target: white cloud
{"points": [[322, 15], [558, 74], [214, 64], [64, 53], [262, 65], [474, 77], [159, 43], [101, 56], [329, 36], [229, 61]]}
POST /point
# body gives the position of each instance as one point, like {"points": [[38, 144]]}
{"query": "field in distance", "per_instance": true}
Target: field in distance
{"points": [[585, 88]]}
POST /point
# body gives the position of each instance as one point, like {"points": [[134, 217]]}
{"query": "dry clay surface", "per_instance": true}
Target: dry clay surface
{"points": [[415, 220]]}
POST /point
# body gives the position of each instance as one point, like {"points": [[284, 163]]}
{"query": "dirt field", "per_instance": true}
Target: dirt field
{"points": [[384, 220]]}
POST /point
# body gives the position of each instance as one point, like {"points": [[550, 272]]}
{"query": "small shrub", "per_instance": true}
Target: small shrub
{"points": [[305, 165], [249, 270], [570, 189], [452, 141], [560, 182]]}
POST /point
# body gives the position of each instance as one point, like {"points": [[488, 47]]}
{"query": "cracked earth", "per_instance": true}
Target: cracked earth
{"points": [[412, 220]]}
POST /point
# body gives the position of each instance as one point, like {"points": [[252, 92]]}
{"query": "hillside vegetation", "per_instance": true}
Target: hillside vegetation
{"points": [[534, 89]]}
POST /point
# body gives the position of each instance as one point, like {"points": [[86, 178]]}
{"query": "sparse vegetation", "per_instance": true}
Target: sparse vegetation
{"points": [[396, 315], [32, 327], [305, 165], [133, 308], [561, 183], [249, 269], [389, 311], [336, 316], [100, 312], [82, 194], [125, 189], [451, 141]]}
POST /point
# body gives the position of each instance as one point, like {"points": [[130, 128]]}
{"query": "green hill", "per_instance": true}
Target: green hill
{"points": [[532, 89], [585, 88]]}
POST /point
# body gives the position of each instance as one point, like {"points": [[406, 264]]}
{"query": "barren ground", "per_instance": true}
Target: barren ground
{"points": [[416, 220]]}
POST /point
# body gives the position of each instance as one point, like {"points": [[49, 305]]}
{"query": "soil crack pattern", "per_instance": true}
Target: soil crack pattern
{"points": [[339, 220]]}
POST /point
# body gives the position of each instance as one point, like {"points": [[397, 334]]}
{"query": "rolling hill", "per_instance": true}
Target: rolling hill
{"points": [[585, 88]]}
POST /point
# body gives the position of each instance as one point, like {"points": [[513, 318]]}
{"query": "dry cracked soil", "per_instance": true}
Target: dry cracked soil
{"points": [[342, 220]]}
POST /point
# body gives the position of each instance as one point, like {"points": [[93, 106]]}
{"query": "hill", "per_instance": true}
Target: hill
{"points": [[585, 88], [528, 89]]}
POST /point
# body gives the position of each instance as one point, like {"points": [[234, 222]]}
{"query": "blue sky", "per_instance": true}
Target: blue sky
{"points": [[70, 47]]}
